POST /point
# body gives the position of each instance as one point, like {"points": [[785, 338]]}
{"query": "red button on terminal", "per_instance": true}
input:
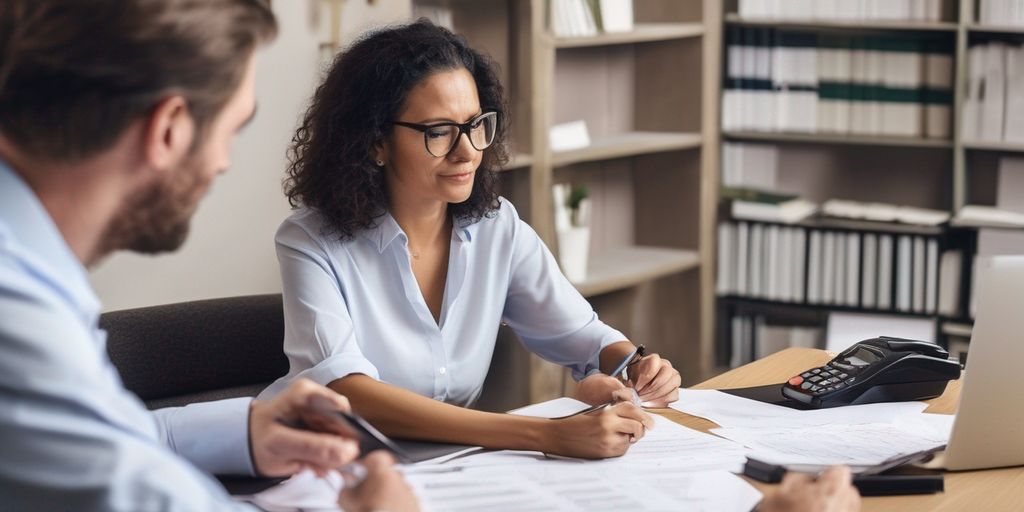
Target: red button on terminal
{"points": [[796, 381]]}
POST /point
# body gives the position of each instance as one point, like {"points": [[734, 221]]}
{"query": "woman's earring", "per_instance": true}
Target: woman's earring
{"points": [[380, 163]]}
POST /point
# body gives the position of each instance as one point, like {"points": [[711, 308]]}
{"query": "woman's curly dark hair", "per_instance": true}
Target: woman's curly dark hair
{"points": [[332, 169]]}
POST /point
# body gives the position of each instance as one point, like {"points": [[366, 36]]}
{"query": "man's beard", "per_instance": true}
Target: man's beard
{"points": [[156, 219]]}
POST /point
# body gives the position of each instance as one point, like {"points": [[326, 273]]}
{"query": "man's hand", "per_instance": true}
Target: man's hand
{"points": [[278, 450], [655, 380], [383, 488], [831, 492]]}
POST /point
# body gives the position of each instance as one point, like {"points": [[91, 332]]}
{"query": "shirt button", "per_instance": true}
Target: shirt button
{"points": [[442, 370]]}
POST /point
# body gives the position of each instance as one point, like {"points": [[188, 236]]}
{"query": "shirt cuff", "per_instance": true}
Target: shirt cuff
{"points": [[213, 436], [593, 365], [336, 367]]}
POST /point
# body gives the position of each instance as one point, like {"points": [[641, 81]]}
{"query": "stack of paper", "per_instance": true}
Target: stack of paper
{"points": [[671, 468], [858, 436], [882, 212]]}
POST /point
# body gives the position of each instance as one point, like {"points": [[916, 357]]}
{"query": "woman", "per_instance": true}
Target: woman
{"points": [[401, 261]]}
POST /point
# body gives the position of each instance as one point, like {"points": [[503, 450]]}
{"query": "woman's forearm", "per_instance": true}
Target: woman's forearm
{"points": [[401, 413]]}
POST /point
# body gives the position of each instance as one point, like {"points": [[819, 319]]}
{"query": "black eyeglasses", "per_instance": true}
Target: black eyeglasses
{"points": [[441, 138]]}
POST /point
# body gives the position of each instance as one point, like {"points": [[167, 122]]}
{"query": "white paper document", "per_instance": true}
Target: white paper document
{"points": [[668, 445], [853, 445], [581, 488], [671, 468], [302, 492], [732, 411]]}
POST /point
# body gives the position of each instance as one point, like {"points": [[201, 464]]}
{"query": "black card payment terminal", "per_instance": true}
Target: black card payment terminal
{"points": [[882, 369]]}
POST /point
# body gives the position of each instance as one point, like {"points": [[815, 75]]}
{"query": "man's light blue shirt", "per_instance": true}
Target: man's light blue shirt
{"points": [[71, 436], [354, 306]]}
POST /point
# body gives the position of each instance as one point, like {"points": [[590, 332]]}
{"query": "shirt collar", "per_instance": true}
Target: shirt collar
{"points": [[386, 229], [26, 221]]}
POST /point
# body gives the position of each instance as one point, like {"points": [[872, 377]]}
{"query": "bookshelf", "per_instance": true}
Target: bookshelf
{"points": [[642, 33], [938, 173], [825, 138], [735, 19], [649, 170], [993, 29], [629, 144], [1006, 147]]}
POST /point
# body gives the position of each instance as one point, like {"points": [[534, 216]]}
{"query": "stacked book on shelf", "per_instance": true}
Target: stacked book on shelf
{"points": [[897, 84], [878, 271], [583, 18], [994, 106], [844, 10], [774, 207], [1001, 13]]}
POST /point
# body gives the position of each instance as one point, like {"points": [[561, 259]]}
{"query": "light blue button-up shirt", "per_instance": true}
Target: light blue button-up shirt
{"points": [[71, 436], [354, 306]]}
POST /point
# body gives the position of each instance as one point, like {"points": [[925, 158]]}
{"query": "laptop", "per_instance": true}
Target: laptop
{"points": [[988, 431]]}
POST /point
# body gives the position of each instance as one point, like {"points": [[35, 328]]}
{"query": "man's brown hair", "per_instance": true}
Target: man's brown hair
{"points": [[75, 73]]}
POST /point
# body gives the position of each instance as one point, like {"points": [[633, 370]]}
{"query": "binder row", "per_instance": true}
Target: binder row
{"points": [[919, 10], [874, 271], [994, 106], [894, 85], [752, 337], [1000, 12]]}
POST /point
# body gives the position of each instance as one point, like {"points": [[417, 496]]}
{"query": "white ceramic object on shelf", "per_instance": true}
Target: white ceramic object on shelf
{"points": [[573, 251]]}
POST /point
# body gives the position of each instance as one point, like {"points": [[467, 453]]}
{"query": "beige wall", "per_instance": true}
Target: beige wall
{"points": [[230, 250]]}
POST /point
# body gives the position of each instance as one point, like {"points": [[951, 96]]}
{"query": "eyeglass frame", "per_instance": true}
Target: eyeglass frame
{"points": [[463, 129]]}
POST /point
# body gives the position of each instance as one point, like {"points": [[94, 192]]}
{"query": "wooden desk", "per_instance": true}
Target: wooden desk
{"points": [[988, 490]]}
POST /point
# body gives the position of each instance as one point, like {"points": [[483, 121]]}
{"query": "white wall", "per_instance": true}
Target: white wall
{"points": [[230, 250]]}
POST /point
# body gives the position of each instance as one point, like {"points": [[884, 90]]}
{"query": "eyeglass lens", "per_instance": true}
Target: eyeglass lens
{"points": [[441, 139]]}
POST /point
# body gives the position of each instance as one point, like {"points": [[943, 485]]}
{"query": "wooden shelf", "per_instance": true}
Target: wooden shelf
{"points": [[826, 138], [769, 305], [960, 329], [616, 269], [642, 33], [822, 222], [629, 144], [1009, 147], [924, 26], [518, 161], [995, 29]]}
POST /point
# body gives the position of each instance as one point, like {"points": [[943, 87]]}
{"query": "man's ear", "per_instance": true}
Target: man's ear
{"points": [[169, 132]]}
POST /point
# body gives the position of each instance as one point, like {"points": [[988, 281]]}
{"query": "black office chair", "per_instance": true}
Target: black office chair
{"points": [[205, 350], [198, 351]]}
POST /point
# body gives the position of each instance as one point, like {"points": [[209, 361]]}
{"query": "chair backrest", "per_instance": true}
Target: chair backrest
{"points": [[197, 351], [205, 350]]}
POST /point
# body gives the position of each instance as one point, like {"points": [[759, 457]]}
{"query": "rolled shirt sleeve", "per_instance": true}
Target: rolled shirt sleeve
{"points": [[320, 338], [212, 435], [547, 312]]}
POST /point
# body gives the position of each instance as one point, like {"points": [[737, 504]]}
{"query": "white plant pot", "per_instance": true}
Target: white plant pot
{"points": [[573, 251]]}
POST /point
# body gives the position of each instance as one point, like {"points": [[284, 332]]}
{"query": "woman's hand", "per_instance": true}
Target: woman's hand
{"points": [[655, 380], [599, 435], [598, 388]]}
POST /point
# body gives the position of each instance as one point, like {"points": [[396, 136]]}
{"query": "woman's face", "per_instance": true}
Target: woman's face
{"points": [[413, 174]]}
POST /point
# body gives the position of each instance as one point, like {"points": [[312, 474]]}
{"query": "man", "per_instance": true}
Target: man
{"points": [[115, 116]]}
